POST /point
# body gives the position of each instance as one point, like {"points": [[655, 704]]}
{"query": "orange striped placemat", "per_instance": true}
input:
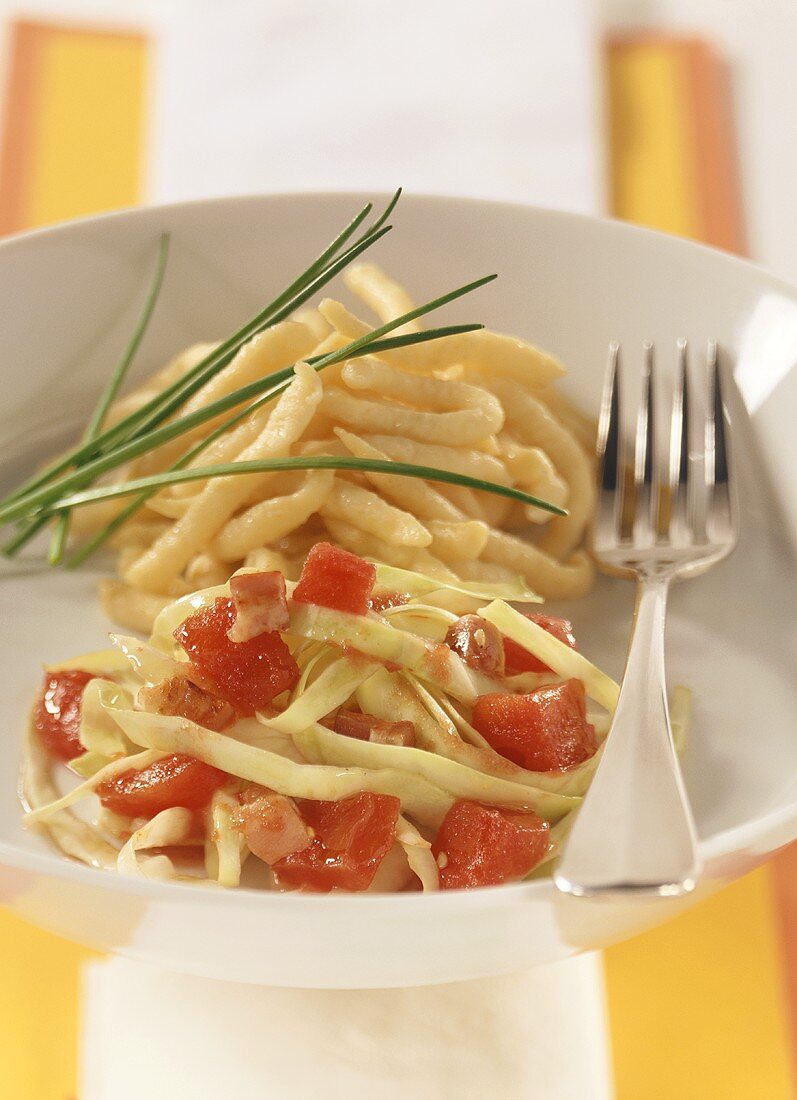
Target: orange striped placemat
{"points": [[704, 1007], [73, 144]]}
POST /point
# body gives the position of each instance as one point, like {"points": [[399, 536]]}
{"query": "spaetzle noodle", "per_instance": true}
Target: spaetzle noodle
{"points": [[480, 404]]}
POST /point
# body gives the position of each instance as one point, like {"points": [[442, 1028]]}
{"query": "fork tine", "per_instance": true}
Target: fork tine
{"points": [[609, 448], [645, 495], [610, 452], [721, 504], [679, 443]]}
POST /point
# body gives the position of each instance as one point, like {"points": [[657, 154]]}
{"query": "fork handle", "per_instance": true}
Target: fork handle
{"points": [[634, 832]]}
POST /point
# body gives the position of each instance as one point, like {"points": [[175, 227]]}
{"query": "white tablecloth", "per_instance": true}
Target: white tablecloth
{"points": [[539, 1035], [495, 100]]}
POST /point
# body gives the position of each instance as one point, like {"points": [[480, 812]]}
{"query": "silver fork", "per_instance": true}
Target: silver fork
{"points": [[634, 832]]}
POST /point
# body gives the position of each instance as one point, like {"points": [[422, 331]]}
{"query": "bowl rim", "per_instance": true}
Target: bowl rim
{"points": [[56, 865], [598, 221], [752, 835]]}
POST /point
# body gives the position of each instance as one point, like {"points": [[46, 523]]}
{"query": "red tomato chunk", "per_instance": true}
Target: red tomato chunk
{"points": [[352, 837], [334, 578], [546, 730], [518, 659], [174, 781], [481, 845], [247, 674], [57, 713]]}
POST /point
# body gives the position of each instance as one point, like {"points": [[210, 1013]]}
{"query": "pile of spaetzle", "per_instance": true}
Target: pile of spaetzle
{"points": [[481, 403]]}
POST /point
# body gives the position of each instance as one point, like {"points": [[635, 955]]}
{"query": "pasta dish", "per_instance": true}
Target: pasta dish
{"points": [[365, 728], [335, 536]]}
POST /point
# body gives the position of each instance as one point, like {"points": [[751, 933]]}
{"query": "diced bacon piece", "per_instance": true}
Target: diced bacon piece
{"points": [[260, 605], [480, 845], [334, 578], [367, 727], [174, 781], [478, 643], [351, 723], [57, 712], [394, 733], [352, 837], [180, 697], [247, 674], [518, 659], [384, 600], [272, 826], [546, 730]]}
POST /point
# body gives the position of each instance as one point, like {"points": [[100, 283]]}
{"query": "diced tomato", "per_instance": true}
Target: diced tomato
{"points": [[478, 643], [174, 781], [57, 713], [481, 845], [352, 837], [334, 578], [546, 730], [367, 727], [247, 674], [384, 600], [518, 659], [179, 697], [260, 605], [272, 825]]}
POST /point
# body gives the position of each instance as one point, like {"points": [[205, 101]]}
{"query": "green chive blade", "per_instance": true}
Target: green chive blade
{"points": [[130, 425], [94, 426], [58, 541], [304, 286], [122, 367], [48, 496], [304, 462], [24, 535]]}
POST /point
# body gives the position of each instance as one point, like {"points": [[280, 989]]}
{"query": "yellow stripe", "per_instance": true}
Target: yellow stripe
{"points": [[83, 123], [38, 1012], [697, 1008], [653, 172], [88, 138]]}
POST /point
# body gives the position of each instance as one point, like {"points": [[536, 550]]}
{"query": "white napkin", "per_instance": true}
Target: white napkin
{"points": [[538, 1035]]}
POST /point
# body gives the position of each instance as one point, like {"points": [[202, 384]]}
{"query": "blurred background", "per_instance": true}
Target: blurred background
{"points": [[676, 114]]}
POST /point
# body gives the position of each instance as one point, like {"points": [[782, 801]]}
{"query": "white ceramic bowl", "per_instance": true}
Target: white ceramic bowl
{"points": [[570, 284]]}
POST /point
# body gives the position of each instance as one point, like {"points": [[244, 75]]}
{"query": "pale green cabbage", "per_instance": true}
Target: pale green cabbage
{"points": [[376, 638], [392, 666], [457, 780], [225, 847], [561, 658], [332, 688], [419, 854], [164, 734], [418, 584], [168, 827]]}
